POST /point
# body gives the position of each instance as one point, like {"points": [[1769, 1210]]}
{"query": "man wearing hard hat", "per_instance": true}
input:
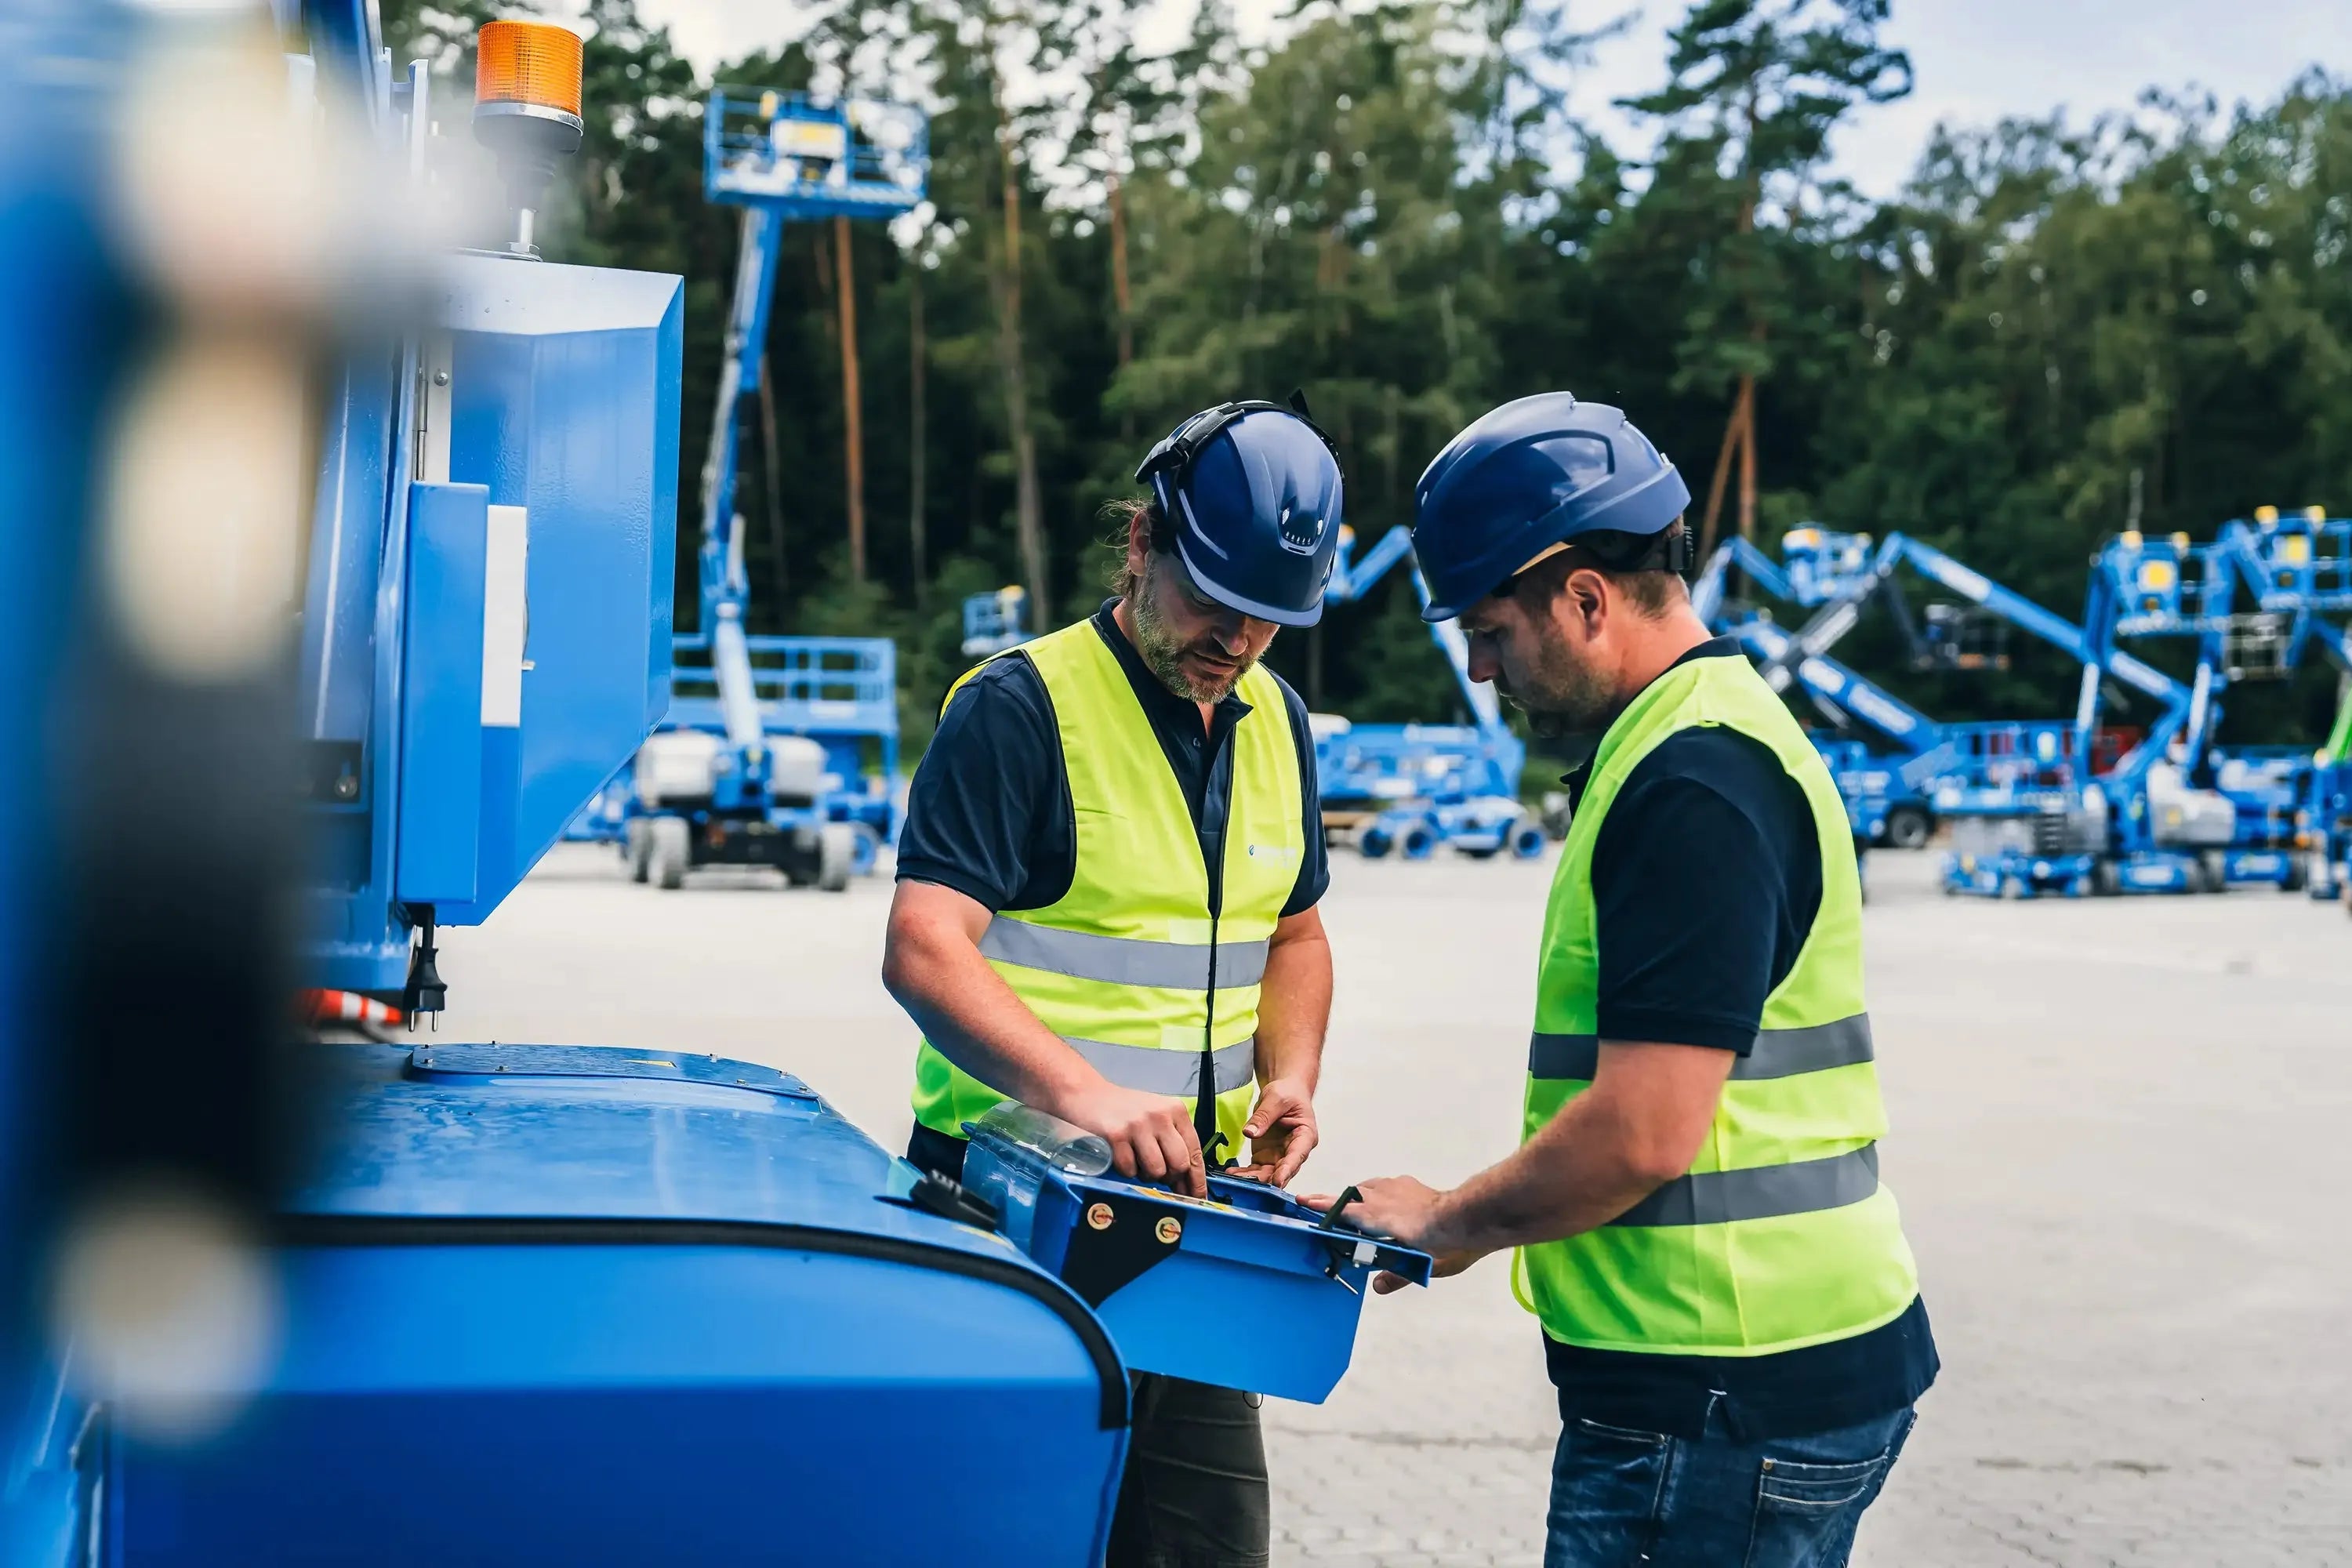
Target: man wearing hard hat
{"points": [[1730, 1311], [1106, 899]]}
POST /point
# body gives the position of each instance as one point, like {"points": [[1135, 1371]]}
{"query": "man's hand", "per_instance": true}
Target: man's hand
{"points": [[1281, 1130], [1149, 1135], [1405, 1209]]}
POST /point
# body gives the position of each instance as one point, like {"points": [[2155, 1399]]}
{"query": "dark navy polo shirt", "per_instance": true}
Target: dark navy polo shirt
{"points": [[1707, 878]]}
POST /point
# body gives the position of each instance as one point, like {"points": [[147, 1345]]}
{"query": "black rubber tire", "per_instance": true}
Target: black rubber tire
{"points": [[672, 852], [2216, 870], [1909, 827], [836, 856], [637, 846]]}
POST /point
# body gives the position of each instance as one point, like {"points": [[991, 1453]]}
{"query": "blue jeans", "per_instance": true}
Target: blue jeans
{"points": [[1622, 1499]]}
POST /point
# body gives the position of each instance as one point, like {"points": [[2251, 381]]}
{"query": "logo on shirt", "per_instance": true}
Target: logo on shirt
{"points": [[1274, 851]]}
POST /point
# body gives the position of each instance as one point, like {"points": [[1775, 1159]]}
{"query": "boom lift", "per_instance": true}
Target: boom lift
{"points": [[493, 1271], [779, 751], [2255, 599], [2041, 821]]}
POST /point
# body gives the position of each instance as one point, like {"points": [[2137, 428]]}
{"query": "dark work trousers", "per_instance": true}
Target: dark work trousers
{"points": [[1195, 1495]]}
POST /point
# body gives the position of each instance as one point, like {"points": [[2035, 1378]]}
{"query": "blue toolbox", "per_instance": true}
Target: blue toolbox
{"points": [[1190, 1286]]}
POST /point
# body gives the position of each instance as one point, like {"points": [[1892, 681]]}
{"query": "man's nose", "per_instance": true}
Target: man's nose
{"points": [[1484, 665]]}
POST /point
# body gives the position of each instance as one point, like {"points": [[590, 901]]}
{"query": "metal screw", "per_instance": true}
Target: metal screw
{"points": [[1099, 1216], [1169, 1228], [440, 378], [347, 787]]}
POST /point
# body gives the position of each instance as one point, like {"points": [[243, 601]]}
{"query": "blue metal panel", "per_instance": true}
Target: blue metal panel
{"points": [[626, 1404], [441, 727], [564, 402], [615, 1307], [1149, 1259]]}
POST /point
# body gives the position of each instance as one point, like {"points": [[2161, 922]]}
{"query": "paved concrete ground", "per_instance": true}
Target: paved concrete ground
{"points": [[2120, 1139]]}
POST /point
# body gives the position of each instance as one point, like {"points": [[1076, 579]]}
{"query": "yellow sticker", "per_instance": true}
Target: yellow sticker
{"points": [[648, 1062]]}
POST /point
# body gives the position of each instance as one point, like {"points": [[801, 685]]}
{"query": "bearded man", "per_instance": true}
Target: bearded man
{"points": [[1107, 891]]}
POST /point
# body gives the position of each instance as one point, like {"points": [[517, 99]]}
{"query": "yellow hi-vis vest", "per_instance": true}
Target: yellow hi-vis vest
{"points": [[1779, 1235], [1132, 966]]}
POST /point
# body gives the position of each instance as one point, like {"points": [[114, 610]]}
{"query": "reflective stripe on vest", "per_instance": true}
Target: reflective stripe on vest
{"points": [[1778, 1053], [1168, 1072], [1132, 966], [1122, 961], [1761, 1192], [1781, 1234]]}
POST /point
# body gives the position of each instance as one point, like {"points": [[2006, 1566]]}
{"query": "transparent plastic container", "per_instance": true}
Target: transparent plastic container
{"points": [[1055, 1142], [1011, 1184]]}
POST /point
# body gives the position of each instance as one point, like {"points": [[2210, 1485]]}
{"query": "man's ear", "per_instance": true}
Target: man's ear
{"points": [[1139, 542], [1586, 593]]}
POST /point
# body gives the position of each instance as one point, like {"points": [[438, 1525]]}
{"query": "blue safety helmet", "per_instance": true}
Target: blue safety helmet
{"points": [[1526, 477], [1252, 492]]}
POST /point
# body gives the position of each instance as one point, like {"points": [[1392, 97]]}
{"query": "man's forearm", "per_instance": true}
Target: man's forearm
{"points": [[966, 1010], [1569, 1178], [1294, 1008], [1637, 1127]]}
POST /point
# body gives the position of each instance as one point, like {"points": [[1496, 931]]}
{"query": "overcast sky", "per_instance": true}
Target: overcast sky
{"points": [[1975, 60]]}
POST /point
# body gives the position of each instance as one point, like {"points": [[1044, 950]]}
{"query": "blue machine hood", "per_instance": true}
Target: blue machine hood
{"points": [[546, 1132], [612, 1307]]}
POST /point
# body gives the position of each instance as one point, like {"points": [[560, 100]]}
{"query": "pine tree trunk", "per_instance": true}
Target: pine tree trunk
{"points": [[1120, 293], [851, 402], [1723, 455], [917, 434], [1747, 458], [1028, 508]]}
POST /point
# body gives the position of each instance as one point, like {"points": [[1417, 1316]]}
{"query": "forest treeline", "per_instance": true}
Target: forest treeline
{"points": [[2055, 330]]}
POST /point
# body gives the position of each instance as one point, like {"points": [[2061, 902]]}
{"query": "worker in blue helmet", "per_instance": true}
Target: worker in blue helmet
{"points": [[1106, 901], [1731, 1316]]}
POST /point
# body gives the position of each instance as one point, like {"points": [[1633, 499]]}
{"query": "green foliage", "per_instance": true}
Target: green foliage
{"points": [[1388, 207]]}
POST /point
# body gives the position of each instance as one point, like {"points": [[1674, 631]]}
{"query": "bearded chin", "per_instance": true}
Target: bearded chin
{"points": [[1163, 655]]}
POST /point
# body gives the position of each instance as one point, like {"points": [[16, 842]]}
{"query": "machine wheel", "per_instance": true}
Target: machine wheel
{"points": [[671, 851], [2107, 879], [2298, 874], [2214, 867], [836, 856], [2013, 887], [1908, 828], [1418, 844], [1527, 841], [637, 846], [1374, 843]]}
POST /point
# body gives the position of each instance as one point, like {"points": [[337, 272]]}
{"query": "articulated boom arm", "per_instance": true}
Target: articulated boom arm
{"points": [[1707, 591], [1351, 579], [726, 587]]}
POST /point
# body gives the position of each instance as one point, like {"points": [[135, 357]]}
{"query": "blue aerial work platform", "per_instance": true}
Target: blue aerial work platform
{"points": [[994, 622], [494, 1304], [2258, 599], [2038, 820], [778, 750]]}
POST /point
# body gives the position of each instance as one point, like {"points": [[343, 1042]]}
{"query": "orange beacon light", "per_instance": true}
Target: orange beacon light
{"points": [[527, 78]]}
